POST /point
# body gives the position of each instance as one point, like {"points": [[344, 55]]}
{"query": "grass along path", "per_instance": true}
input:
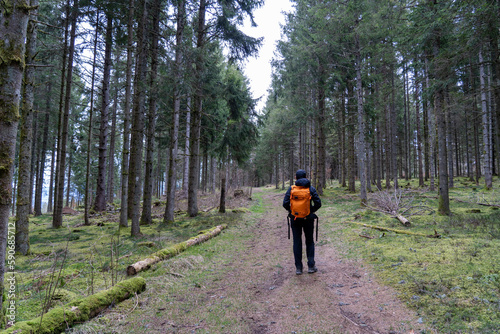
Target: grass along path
{"points": [[244, 282]]}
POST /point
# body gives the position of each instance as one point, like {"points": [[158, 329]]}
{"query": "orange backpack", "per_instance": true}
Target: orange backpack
{"points": [[300, 201]]}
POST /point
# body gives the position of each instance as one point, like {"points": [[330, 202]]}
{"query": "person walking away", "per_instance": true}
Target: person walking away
{"points": [[302, 201]]}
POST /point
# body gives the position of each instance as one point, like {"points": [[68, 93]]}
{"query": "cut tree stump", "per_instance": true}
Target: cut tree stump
{"points": [[59, 318], [172, 251]]}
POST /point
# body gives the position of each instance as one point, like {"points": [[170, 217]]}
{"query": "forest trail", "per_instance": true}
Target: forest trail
{"points": [[252, 288], [341, 297]]}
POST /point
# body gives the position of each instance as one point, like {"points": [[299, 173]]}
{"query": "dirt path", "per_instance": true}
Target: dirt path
{"points": [[252, 288], [341, 297]]}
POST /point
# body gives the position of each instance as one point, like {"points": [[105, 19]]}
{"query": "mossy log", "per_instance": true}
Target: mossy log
{"points": [[380, 228], [172, 251], [58, 319]]}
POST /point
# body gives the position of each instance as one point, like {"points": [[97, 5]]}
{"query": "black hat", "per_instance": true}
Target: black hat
{"points": [[301, 174]]}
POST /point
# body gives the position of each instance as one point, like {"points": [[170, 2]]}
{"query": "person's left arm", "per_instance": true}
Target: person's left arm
{"points": [[316, 200]]}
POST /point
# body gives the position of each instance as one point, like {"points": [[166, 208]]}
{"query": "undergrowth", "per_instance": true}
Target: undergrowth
{"points": [[453, 282], [78, 260]]}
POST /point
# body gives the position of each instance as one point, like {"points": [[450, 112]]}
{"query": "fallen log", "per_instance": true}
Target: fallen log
{"points": [[380, 228], [172, 251], [59, 318], [403, 220]]}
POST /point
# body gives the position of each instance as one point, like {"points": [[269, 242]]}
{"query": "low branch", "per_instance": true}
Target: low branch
{"points": [[172, 251], [80, 310]]}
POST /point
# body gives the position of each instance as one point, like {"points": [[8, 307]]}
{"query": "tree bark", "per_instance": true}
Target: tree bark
{"points": [[185, 177], [110, 197], [100, 196], [57, 217], [138, 120], [194, 165], [26, 138], [50, 207], [89, 134], [486, 118], [419, 131], [432, 132], [174, 132], [321, 131], [43, 153], [13, 29], [361, 127], [126, 119], [146, 218], [172, 251]]}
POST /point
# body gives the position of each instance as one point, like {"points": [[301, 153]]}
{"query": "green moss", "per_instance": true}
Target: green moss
{"points": [[59, 318]]}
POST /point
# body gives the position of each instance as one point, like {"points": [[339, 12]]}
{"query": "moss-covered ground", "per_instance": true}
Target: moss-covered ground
{"points": [[77, 261], [453, 281]]}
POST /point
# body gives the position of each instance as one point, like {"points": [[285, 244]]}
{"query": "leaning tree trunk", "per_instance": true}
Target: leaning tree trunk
{"points": [[126, 119], [26, 139], [138, 120], [13, 27], [57, 218], [174, 133], [100, 195], [146, 218]]}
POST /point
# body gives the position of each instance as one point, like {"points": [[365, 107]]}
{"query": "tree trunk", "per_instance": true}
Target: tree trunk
{"points": [[89, 134], [486, 118], [112, 141], [185, 177], [57, 217], [146, 218], [126, 119], [57, 144], [24, 188], [361, 127], [100, 196], [13, 29], [52, 176], [174, 132], [394, 130], [432, 132], [222, 202], [449, 146], [321, 131], [34, 160], [419, 131], [68, 188], [138, 120], [351, 168], [43, 153], [194, 166]]}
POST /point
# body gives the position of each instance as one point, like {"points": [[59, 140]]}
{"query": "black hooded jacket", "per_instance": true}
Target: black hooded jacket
{"points": [[316, 201]]}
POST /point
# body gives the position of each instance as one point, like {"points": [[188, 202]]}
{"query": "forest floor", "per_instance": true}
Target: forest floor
{"points": [[394, 280], [247, 284]]}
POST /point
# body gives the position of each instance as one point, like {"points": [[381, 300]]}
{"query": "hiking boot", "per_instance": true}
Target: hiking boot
{"points": [[298, 271], [312, 270]]}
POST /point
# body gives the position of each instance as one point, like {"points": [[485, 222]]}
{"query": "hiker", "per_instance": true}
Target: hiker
{"points": [[301, 214]]}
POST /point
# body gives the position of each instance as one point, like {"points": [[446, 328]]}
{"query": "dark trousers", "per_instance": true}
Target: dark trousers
{"points": [[308, 226]]}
